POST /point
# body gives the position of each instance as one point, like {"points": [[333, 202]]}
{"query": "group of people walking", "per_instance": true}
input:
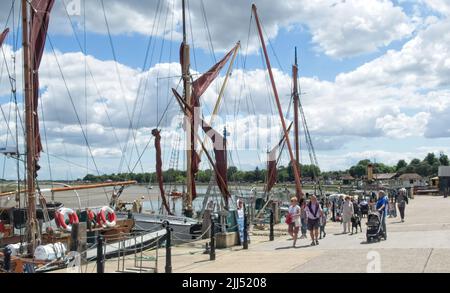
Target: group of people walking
{"points": [[307, 216], [311, 215]]}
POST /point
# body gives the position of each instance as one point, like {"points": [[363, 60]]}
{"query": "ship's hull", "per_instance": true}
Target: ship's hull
{"points": [[184, 229]]}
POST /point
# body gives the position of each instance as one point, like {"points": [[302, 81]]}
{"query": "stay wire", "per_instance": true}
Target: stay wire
{"points": [[192, 36], [210, 42], [151, 47], [74, 108], [130, 119], [108, 116]]}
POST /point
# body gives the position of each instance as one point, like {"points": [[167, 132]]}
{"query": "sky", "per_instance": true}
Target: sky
{"points": [[374, 77]]}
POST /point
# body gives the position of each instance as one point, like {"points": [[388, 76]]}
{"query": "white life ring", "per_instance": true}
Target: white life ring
{"points": [[106, 217], [60, 219]]}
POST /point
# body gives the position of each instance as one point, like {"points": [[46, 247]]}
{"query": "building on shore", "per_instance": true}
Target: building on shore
{"points": [[347, 180], [389, 179], [412, 180]]}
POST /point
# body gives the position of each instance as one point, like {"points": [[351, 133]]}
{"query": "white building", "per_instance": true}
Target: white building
{"points": [[412, 180]]}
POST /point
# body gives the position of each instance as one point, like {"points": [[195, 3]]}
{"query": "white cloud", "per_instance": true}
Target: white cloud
{"points": [[440, 6], [338, 28], [439, 124], [349, 28], [404, 93], [402, 126], [422, 63]]}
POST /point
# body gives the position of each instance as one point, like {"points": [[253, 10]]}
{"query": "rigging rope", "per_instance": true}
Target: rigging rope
{"points": [[149, 46], [130, 119], [192, 35], [210, 42], [94, 81], [75, 109], [46, 140]]}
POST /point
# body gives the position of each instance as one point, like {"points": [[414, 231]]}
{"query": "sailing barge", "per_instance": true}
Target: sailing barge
{"points": [[38, 217], [39, 235]]}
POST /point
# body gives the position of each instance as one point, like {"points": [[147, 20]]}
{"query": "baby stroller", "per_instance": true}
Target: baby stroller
{"points": [[375, 229]]}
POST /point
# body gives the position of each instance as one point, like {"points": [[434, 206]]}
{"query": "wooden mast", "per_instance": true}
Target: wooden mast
{"points": [[190, 141], [298, 183], [296, 96], [32, 234]]}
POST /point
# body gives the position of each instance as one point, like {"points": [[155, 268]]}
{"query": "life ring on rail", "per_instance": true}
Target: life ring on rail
{"points": [[60, 219], [106, 217], [176, 194]]}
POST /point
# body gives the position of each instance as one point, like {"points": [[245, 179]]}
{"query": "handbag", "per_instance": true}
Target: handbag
{"points": [[288, 219]]}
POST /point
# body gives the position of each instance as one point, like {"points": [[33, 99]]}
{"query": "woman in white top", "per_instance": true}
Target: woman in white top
{"points": [[347, 214], [314, 212], [294, 225]]}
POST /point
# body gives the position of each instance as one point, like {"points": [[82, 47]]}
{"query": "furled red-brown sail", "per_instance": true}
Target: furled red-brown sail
{"points": [[198, 89], [3, 36], [200, 86], [159, 173], [272, 172], [195, 163], [220, 153], [40, 18]]}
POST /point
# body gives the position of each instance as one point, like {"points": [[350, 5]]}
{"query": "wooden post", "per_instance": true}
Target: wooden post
{"points": [[271, 236], [74, 237], [100, 256], [168, 249], [212, 255], [206, 220], [82, 240], [245, 246]]}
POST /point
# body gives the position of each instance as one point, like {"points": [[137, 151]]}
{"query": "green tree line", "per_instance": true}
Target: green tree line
{"points": [[427, 167], [285, 174]]}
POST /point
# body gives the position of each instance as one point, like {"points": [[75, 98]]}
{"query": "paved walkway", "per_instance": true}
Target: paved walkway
{"points": [[421, 244]]}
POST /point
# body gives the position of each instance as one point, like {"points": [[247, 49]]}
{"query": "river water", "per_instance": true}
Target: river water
{"points": [[150, 197]]}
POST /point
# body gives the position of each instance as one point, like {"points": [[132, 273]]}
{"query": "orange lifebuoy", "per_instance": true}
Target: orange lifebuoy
{"points": [[60, 219]]}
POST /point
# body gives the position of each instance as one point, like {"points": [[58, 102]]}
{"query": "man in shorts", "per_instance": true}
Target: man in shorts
{"points": [[314, 213]]}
